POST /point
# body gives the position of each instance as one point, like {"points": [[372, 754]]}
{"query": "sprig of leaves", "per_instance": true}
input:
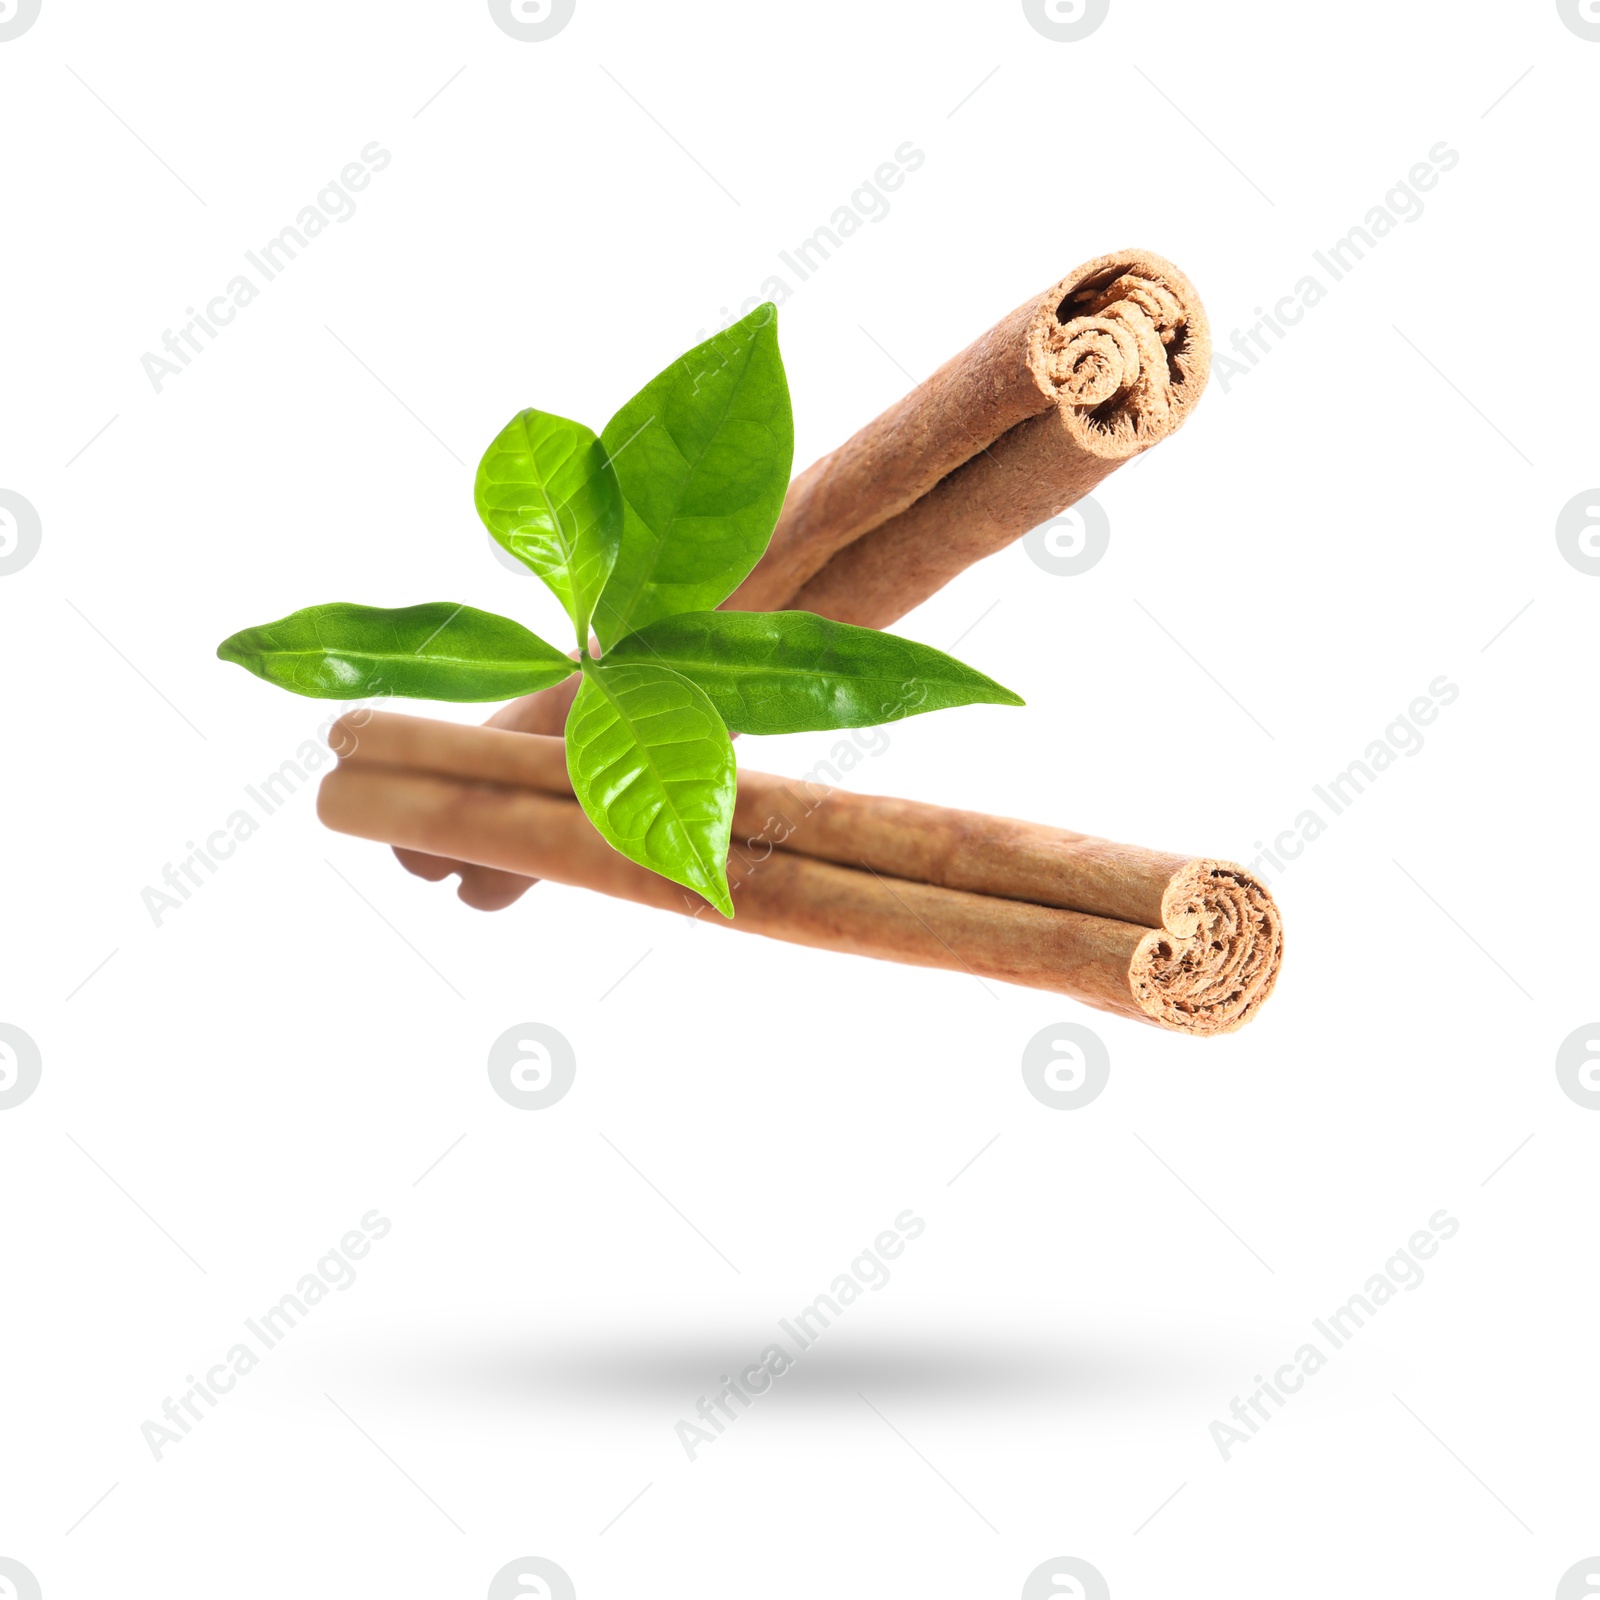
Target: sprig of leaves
{"points": [[640, 533]]}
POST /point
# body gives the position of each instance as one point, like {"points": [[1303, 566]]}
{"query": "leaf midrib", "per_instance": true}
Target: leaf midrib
{"points": [[740, 670], [541, 479], [323, 652], [743, 669], [568, 551], [592, 675], [659, 539]]}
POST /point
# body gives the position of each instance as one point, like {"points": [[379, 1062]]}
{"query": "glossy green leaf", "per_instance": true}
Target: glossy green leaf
{"points": [[546, 493], [790, 671], [652, 766], [702, 453], [438, 651]]}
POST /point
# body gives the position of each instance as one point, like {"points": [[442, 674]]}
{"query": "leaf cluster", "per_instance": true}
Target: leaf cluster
{"points": [[640, 532]]}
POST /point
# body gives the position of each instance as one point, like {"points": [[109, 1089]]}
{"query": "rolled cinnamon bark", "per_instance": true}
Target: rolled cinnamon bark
{"points": [[484, 888], [1188, 944], [1004, 436], [1026, 420]]}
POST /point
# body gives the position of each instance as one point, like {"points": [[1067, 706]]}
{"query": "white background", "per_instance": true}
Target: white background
{"points": [[223, 1096]]}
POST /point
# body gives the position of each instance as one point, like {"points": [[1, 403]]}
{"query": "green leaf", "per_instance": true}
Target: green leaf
{"points": [[438, 651], [652, 766], [703, 454], [790, 671], [547, 493]]}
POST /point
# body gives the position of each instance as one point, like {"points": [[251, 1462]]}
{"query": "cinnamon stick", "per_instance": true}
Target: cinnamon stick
{"points": [[1004, 436], [1190, 944], [1026, 420]]}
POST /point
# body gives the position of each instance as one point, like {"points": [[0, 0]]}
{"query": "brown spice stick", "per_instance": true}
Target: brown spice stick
{"points": [[1004, 436], [1026, 420], [1188, 944]]}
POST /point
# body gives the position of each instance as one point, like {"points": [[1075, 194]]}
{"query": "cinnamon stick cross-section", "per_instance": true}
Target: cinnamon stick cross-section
{"points": [[1185, 943]]}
